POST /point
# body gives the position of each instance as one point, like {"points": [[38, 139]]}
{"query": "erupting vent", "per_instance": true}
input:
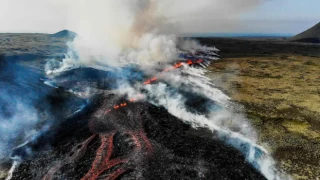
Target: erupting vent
{"points": [[192, 61], [133, 139], [107, 163]]}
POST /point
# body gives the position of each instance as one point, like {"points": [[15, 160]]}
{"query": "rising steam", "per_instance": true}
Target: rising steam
{"points": [[119, 33]]}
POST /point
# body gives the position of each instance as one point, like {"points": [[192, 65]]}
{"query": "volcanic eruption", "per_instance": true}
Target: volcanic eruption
{"points": [[148, 110], [130, 138]]}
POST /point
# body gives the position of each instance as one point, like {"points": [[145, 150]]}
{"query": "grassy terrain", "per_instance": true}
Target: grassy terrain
{"points": [[281, 95]]}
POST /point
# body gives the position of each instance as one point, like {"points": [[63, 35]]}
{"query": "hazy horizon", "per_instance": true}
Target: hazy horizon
{"points": [[207, 16]]}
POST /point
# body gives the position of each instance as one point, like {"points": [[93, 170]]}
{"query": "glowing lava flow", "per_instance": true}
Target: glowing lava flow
{"points": [[103, 161], [176, 66], [154, 79], [124, 104], [107, 163]]}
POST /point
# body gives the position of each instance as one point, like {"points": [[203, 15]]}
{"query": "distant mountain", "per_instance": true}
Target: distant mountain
{"points": [[311, 35], [64, 34]]}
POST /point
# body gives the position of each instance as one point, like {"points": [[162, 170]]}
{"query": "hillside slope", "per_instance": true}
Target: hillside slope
{"points": [[311, 35]]}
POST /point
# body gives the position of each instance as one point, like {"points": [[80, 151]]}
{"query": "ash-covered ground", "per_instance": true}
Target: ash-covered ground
{"points": [[172, 150]]}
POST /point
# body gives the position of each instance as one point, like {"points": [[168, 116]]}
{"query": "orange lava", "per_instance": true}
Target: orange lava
{"points": [[154, 79], [103, 161]]}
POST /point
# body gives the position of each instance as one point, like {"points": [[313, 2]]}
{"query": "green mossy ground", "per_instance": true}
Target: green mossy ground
{"points": [[281, 96]]}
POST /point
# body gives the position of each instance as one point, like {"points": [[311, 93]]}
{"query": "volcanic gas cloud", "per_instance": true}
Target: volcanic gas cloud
{"points": [[152, 80]]}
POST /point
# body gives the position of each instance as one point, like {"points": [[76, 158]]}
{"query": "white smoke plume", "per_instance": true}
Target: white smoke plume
{"points": [[120, 32], [18, 122], [192, 45], [138, 31], [228, 125], [123, 32]]}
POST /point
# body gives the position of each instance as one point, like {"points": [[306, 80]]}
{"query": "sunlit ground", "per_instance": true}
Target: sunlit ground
{"points": [[281, 94]]}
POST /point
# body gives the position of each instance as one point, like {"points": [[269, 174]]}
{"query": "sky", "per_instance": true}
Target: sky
{"points": [[204, 16], [283, 16]]}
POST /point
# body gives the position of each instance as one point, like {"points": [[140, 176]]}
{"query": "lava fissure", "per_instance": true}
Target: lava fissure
{"points": [[155, 78], [102, 161]]}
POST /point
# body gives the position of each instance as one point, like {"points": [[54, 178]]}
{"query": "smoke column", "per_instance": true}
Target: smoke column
{"points": [[144, 32], [135, 31]]}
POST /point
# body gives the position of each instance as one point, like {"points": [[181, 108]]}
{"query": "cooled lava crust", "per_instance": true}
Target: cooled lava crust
{"points": [[140, 141]]}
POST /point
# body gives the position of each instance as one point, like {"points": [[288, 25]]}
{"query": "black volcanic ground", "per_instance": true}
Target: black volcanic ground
{"points": [[178, 151]]}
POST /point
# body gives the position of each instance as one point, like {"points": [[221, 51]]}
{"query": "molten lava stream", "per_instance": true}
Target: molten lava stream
{"points": [[176, 66], [103, 162], [154, 79]]}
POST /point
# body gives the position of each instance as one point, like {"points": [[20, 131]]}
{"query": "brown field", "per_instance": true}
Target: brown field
{"points": [[281, 96]]}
